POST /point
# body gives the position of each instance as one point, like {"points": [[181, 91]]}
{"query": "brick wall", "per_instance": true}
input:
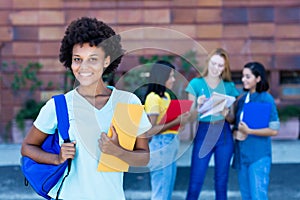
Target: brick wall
{"points": [[264, 30]]}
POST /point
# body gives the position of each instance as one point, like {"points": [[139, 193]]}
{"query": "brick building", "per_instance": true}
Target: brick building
{"points": [[267, 31]]}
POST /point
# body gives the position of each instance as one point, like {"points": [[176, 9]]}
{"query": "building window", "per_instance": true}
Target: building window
{"points": [[290, 84]]}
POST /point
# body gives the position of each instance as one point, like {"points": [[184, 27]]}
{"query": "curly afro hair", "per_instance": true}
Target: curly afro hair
{"points": [[96, 33]]}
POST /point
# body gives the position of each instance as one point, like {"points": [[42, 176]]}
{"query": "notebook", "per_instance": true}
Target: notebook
{"points": [[215, 104], [257, 114], [126, 120], [176, 108]]}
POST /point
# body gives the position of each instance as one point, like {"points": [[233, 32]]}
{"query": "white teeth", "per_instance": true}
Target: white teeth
{"points": [[85, 73]]}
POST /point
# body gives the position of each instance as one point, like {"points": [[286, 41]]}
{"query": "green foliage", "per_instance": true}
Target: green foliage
{"points": [[289, 111], [138, 76], [69, 81], [27, 76], [135, 80], [149, 61], [188, 60], [30, 110]]}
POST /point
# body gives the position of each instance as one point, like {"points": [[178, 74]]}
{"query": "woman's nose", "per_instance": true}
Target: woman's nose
{"points": [[84, 63]]}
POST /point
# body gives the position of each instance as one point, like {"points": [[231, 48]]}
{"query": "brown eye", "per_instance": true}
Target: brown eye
{"points": [[77, 60], [93, 60]]}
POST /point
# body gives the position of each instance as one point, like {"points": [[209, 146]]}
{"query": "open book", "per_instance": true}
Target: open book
{"points": [[216, 104]]}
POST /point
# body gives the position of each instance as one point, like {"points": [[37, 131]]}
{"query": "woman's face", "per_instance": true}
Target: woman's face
{"points": [[249, 80], [88, 64], [171, 80], [216, 66]]}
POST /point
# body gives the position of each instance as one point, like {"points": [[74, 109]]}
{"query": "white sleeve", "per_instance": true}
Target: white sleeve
{"points": [[46, 120], [145, 124]]}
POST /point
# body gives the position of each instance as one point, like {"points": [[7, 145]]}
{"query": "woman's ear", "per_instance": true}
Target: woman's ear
{"points": [[258, 79], [106, 61]]}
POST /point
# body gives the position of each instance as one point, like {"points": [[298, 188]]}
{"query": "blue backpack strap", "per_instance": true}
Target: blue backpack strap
{"points": [[63, 127], [62, 116]]}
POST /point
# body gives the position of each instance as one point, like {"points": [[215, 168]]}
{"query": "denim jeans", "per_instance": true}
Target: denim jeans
{"points": [[254, 179], [211, 139], [163, 151]]}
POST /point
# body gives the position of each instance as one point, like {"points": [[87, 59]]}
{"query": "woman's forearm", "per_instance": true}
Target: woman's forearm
{"points": [[159, 128], [263, 132], [31, 147], [138, 157], [38, 155]]}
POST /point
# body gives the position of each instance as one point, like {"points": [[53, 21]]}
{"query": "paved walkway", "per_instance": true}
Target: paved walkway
{"points": [[284, 182], [284, 151]]}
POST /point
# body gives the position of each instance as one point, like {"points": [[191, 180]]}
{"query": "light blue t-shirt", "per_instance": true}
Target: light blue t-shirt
{"points": [[198, 87], [86, 124]]}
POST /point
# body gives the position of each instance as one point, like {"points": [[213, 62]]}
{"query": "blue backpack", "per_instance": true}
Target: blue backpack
{"points": [[42, 177]]}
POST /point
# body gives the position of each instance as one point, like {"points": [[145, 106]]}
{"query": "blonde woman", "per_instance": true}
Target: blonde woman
{"points": [[213, 135]]}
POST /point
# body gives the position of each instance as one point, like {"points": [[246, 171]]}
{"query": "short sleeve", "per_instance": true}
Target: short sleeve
{"points": [[274, 119], [232, 90], [193, 85], [145, 124], [46, 120], [152, 104], [128, 97]]}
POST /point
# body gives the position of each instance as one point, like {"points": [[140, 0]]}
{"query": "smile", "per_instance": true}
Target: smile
{"points": [[85, 74]]}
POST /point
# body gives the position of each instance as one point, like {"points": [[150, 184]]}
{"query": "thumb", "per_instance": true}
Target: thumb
{"points": [[242, 123]]}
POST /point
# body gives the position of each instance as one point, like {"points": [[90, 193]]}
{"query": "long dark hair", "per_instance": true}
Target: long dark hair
{"points": [[159, 74], [257, 70]]}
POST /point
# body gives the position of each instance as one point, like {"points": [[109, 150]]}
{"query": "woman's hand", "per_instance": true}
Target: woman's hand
{"points": [[184, 118], [109, 145], [200, 100], [225, 112], [243, 127], [238, 135], [67, 151]]}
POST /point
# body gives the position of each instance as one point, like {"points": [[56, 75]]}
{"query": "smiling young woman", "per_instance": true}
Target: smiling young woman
{"points": [[252, 157], [90, 49], [88, 65], [214, 134]]}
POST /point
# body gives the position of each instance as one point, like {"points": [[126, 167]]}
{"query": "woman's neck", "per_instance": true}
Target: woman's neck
{"points": [[100, 90], [252, 91], [212, 82], [97, 97]]}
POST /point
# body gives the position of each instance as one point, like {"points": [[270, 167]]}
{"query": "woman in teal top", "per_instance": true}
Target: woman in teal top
{"points": [[213, 135]]}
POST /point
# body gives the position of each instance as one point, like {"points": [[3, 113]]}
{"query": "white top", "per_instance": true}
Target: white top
{"points": [[86, 123]]}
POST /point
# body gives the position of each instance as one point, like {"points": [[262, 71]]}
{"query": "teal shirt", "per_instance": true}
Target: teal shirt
{"points": [[198, 87]]}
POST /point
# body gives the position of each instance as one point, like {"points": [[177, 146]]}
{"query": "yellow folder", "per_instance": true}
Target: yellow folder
{"points": [[126, 120]]}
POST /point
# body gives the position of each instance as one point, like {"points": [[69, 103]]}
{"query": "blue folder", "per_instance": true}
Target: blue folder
{"points": [[257, 114]]}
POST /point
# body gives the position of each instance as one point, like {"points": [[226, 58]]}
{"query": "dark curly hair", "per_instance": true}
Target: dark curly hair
{"points": [[96, 33]]}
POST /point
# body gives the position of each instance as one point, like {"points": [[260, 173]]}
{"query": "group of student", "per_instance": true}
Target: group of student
{"points": [[90, 49]]}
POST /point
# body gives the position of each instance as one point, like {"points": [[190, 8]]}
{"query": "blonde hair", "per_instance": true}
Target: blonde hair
{"points": [[226, 74]]}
